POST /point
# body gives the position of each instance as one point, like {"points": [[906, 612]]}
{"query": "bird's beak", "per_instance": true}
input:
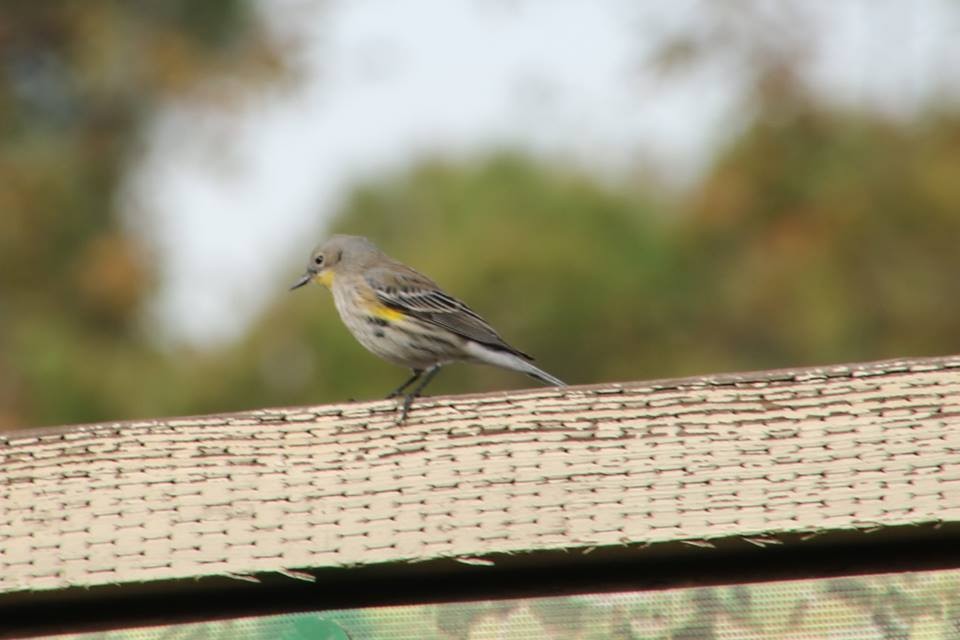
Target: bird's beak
{"points": [[304, 279]]}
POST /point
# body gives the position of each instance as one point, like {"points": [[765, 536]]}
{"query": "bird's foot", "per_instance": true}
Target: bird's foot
{"points": [[408, 397], [404, 407]]}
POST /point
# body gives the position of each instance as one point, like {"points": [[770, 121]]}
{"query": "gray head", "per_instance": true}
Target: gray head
{"points": [[338, 253]]}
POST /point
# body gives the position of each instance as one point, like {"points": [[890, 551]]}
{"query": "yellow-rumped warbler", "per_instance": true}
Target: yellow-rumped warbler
{"points": [[404, 317]]}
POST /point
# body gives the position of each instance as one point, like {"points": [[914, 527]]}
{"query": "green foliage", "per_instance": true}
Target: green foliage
{"points": [[76, 82], [831, 237]]}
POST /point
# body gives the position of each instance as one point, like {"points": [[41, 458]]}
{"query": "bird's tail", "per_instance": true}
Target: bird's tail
{"points": [[508, 360], [542, 376]]}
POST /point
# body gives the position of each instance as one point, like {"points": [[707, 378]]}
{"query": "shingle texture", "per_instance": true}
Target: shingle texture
{"points": [[752, 455]]}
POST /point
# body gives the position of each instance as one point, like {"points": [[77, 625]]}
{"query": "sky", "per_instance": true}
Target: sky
{"points": [[232, 201]]}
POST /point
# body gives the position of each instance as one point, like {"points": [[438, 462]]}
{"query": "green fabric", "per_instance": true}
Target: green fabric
{"points": [[897, 606]]}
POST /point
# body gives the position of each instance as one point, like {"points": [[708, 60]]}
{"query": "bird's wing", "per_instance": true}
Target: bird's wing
{"points": [[416, 295]]}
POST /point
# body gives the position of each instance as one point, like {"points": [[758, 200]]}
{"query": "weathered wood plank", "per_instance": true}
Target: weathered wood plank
{"points": [[757, 454]]}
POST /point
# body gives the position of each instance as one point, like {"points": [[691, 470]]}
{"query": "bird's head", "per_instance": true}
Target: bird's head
{"points": [[333, 256]]}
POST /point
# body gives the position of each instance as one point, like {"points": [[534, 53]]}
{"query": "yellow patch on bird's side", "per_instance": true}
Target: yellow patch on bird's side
{"points": [[325, 278], [381, 311]]}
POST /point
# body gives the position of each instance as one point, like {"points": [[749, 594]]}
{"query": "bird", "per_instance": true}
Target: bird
{"points": [[404, 317]]}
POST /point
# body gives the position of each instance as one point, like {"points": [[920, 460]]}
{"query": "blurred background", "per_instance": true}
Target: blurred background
{"points": [[625, 189]]}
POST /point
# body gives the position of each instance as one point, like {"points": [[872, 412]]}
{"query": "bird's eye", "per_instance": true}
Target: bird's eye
{"points": [[318, 260]]}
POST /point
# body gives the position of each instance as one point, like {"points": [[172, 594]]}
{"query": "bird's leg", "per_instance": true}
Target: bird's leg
{"points": [[428, 376], [408, 398], [416, 376]]}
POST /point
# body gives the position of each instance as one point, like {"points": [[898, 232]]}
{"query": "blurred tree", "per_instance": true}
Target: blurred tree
{"points": [[821, 234], [830, 236], [77, 81]]}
